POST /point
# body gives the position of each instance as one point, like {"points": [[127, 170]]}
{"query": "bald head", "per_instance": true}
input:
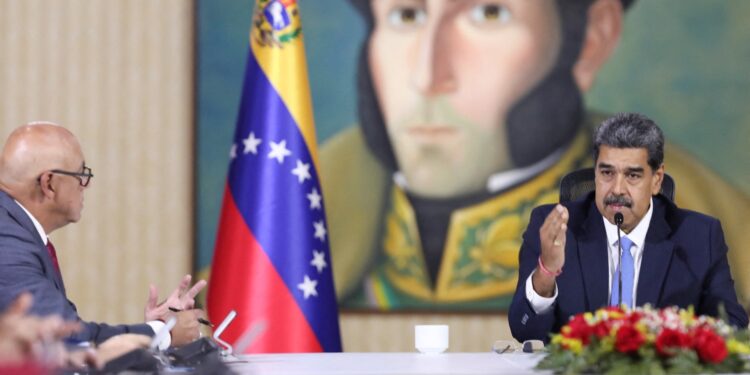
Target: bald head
{"points": [[32, 149]]}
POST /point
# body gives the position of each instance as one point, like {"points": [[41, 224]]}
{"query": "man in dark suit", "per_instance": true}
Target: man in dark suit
{"points": [[569, 258], [43, 176]]}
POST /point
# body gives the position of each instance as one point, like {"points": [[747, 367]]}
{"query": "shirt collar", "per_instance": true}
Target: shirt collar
{"points": [[38, 226], [502, 180], [637, 235]]}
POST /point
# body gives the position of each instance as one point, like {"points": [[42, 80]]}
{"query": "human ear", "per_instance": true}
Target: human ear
{"points": [[45, 183], [658, 178], [603, 30]]}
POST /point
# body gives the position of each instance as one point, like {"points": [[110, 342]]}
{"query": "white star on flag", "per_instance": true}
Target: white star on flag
{"points": [[320, 230], [279, 151], [251, 144], [319, 260], [308, 287], [302, 171], [315, 199], [233, 151]]}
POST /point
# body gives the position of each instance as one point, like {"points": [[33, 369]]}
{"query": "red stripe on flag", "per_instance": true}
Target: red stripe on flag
{"points": [[244, 279]]}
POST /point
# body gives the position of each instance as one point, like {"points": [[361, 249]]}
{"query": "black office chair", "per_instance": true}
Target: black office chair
{"points": [[578, 183]]}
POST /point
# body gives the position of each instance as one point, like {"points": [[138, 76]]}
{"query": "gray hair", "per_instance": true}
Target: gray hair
{"points": [[631, 130]]}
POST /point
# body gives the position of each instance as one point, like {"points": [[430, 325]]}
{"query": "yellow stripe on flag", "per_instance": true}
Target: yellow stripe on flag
{"points": [[284, 63]]}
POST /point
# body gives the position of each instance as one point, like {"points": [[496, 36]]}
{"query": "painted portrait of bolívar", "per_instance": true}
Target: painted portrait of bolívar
{"points": [[443, 123]]}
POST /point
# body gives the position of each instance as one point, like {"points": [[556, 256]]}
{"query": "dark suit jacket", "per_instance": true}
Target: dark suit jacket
{"points": [[25, 265], [684, 263]]}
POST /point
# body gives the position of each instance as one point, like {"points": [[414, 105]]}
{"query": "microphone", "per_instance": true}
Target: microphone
{"points": [[618, 221], [227, 350], [244, 341], [249, 336]]}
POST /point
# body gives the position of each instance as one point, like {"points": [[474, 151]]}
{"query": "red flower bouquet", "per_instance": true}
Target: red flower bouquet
{"points": [[614, 340]]}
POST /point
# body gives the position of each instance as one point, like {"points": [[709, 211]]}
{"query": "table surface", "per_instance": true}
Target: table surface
{"points": [[386, 363]]}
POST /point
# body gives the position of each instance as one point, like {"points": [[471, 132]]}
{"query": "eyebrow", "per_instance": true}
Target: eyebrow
{"points": [[603, 165]]}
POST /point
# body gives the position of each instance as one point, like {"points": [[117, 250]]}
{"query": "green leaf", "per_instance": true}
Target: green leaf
{"points": [[684, 362]]}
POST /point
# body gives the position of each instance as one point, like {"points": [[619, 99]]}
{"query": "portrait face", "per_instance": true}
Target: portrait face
{"points": [[625, 183], [446, 74]]}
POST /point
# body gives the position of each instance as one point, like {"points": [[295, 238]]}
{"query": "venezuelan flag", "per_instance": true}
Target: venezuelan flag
{"points": [[272, 261]]}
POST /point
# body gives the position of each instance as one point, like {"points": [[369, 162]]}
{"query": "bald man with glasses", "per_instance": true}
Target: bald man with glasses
{"points": [[43, 176]]}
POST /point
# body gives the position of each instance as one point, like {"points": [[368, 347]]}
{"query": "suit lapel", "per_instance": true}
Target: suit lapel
{"points": [[592, 252], [657, 255], [23, 220]]}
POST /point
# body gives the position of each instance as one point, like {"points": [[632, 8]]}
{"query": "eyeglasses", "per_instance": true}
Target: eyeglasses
{"points": [[83, 177], [511, 346]]}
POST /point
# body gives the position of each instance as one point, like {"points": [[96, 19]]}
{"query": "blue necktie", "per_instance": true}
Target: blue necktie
{"points": [[628, 273]]}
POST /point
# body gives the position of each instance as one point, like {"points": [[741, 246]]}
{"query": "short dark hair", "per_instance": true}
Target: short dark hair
{"points": [[631, 130]]}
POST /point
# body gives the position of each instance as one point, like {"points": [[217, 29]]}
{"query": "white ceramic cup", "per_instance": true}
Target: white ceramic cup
{"points": [[431, 338]]}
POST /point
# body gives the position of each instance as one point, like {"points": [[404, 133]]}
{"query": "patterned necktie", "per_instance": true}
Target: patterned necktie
{"points": [[628, 273], [53, 255]]}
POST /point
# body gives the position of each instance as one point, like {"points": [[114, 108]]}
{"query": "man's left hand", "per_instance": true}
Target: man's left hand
{"points": [[181, 298]]}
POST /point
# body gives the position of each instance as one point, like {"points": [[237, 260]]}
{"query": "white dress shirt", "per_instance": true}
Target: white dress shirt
{"points": [[542, 305]]}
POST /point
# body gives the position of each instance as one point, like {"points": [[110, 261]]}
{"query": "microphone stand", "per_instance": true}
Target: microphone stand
{"points": [[618, 221]]}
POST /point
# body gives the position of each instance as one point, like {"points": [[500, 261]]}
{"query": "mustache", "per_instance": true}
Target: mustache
{"points": [[618, 200]]}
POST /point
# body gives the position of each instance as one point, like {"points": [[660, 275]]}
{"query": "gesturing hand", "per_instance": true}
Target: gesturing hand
{"points": [[181, 298], [552, 256], [552, 237]]}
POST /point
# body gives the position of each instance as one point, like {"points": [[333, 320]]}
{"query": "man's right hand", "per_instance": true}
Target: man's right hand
{"points": [[187, 328], [552, 238]]}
